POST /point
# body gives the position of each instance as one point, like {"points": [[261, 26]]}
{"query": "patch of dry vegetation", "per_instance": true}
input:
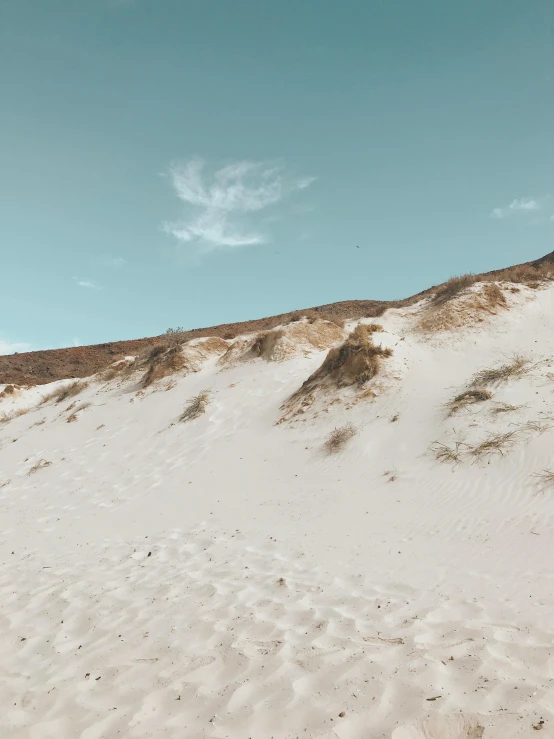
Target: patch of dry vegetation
{"points": [[546, 479], [339, 438], [468, 397], [40, 465], [65, 392], [451, 288], [4, 484], [449, 454], [499, 408], [298, 337], [196, 406], [161, 362], [171, 357], [7, 416], [454, 305], [313, 314], [74, 416], [354, 362], [9, 390], [516, 367], [494, 443], [527, 274]]}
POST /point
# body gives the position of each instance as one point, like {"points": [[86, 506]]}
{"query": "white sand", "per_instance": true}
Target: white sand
{"points": [[225, 578]]}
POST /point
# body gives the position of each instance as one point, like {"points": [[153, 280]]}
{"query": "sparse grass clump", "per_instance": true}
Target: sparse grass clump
{"points": [[196, 406], [545, 478], [73, 417], [453, 287], [7, 416], [162, 361], [531, 275], [65, 392], [468, 397], [499, 408], [511, 370], [494, 444], [448, 454], [339, 438]]}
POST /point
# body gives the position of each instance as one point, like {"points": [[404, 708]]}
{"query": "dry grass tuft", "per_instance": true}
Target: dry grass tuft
{"points": [[526, 274], [7, 416], [73, 417], [68, 391], [511, 370], [499, 408], [4, 484], [41, 464], [468, 397], [448, 454], [453, 287], [9, 390], [535, 427], [494, 444], [546, 479], [162, 361], [196, 406], [339, 438]]}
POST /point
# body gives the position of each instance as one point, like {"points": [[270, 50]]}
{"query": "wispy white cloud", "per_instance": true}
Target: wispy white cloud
{"points": [[9, 347], [114, 263], [221, 214], [519, 205], [88, 284]]}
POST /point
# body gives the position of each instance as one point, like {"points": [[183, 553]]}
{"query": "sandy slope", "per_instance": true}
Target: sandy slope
{"points": [[225, 578]]}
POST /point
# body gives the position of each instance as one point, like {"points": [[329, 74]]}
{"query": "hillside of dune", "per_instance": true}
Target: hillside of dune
{"points": [[45, 366], [332, 526]]}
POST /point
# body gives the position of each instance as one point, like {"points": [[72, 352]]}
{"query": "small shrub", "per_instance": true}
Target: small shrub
{"points": [[196, 406], [339, 438]]}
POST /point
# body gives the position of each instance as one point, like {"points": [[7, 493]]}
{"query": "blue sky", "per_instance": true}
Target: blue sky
{"points": [[193, 162]]}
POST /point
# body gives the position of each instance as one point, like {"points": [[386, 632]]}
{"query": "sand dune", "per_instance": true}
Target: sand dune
{"points": [[226, 577]]}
